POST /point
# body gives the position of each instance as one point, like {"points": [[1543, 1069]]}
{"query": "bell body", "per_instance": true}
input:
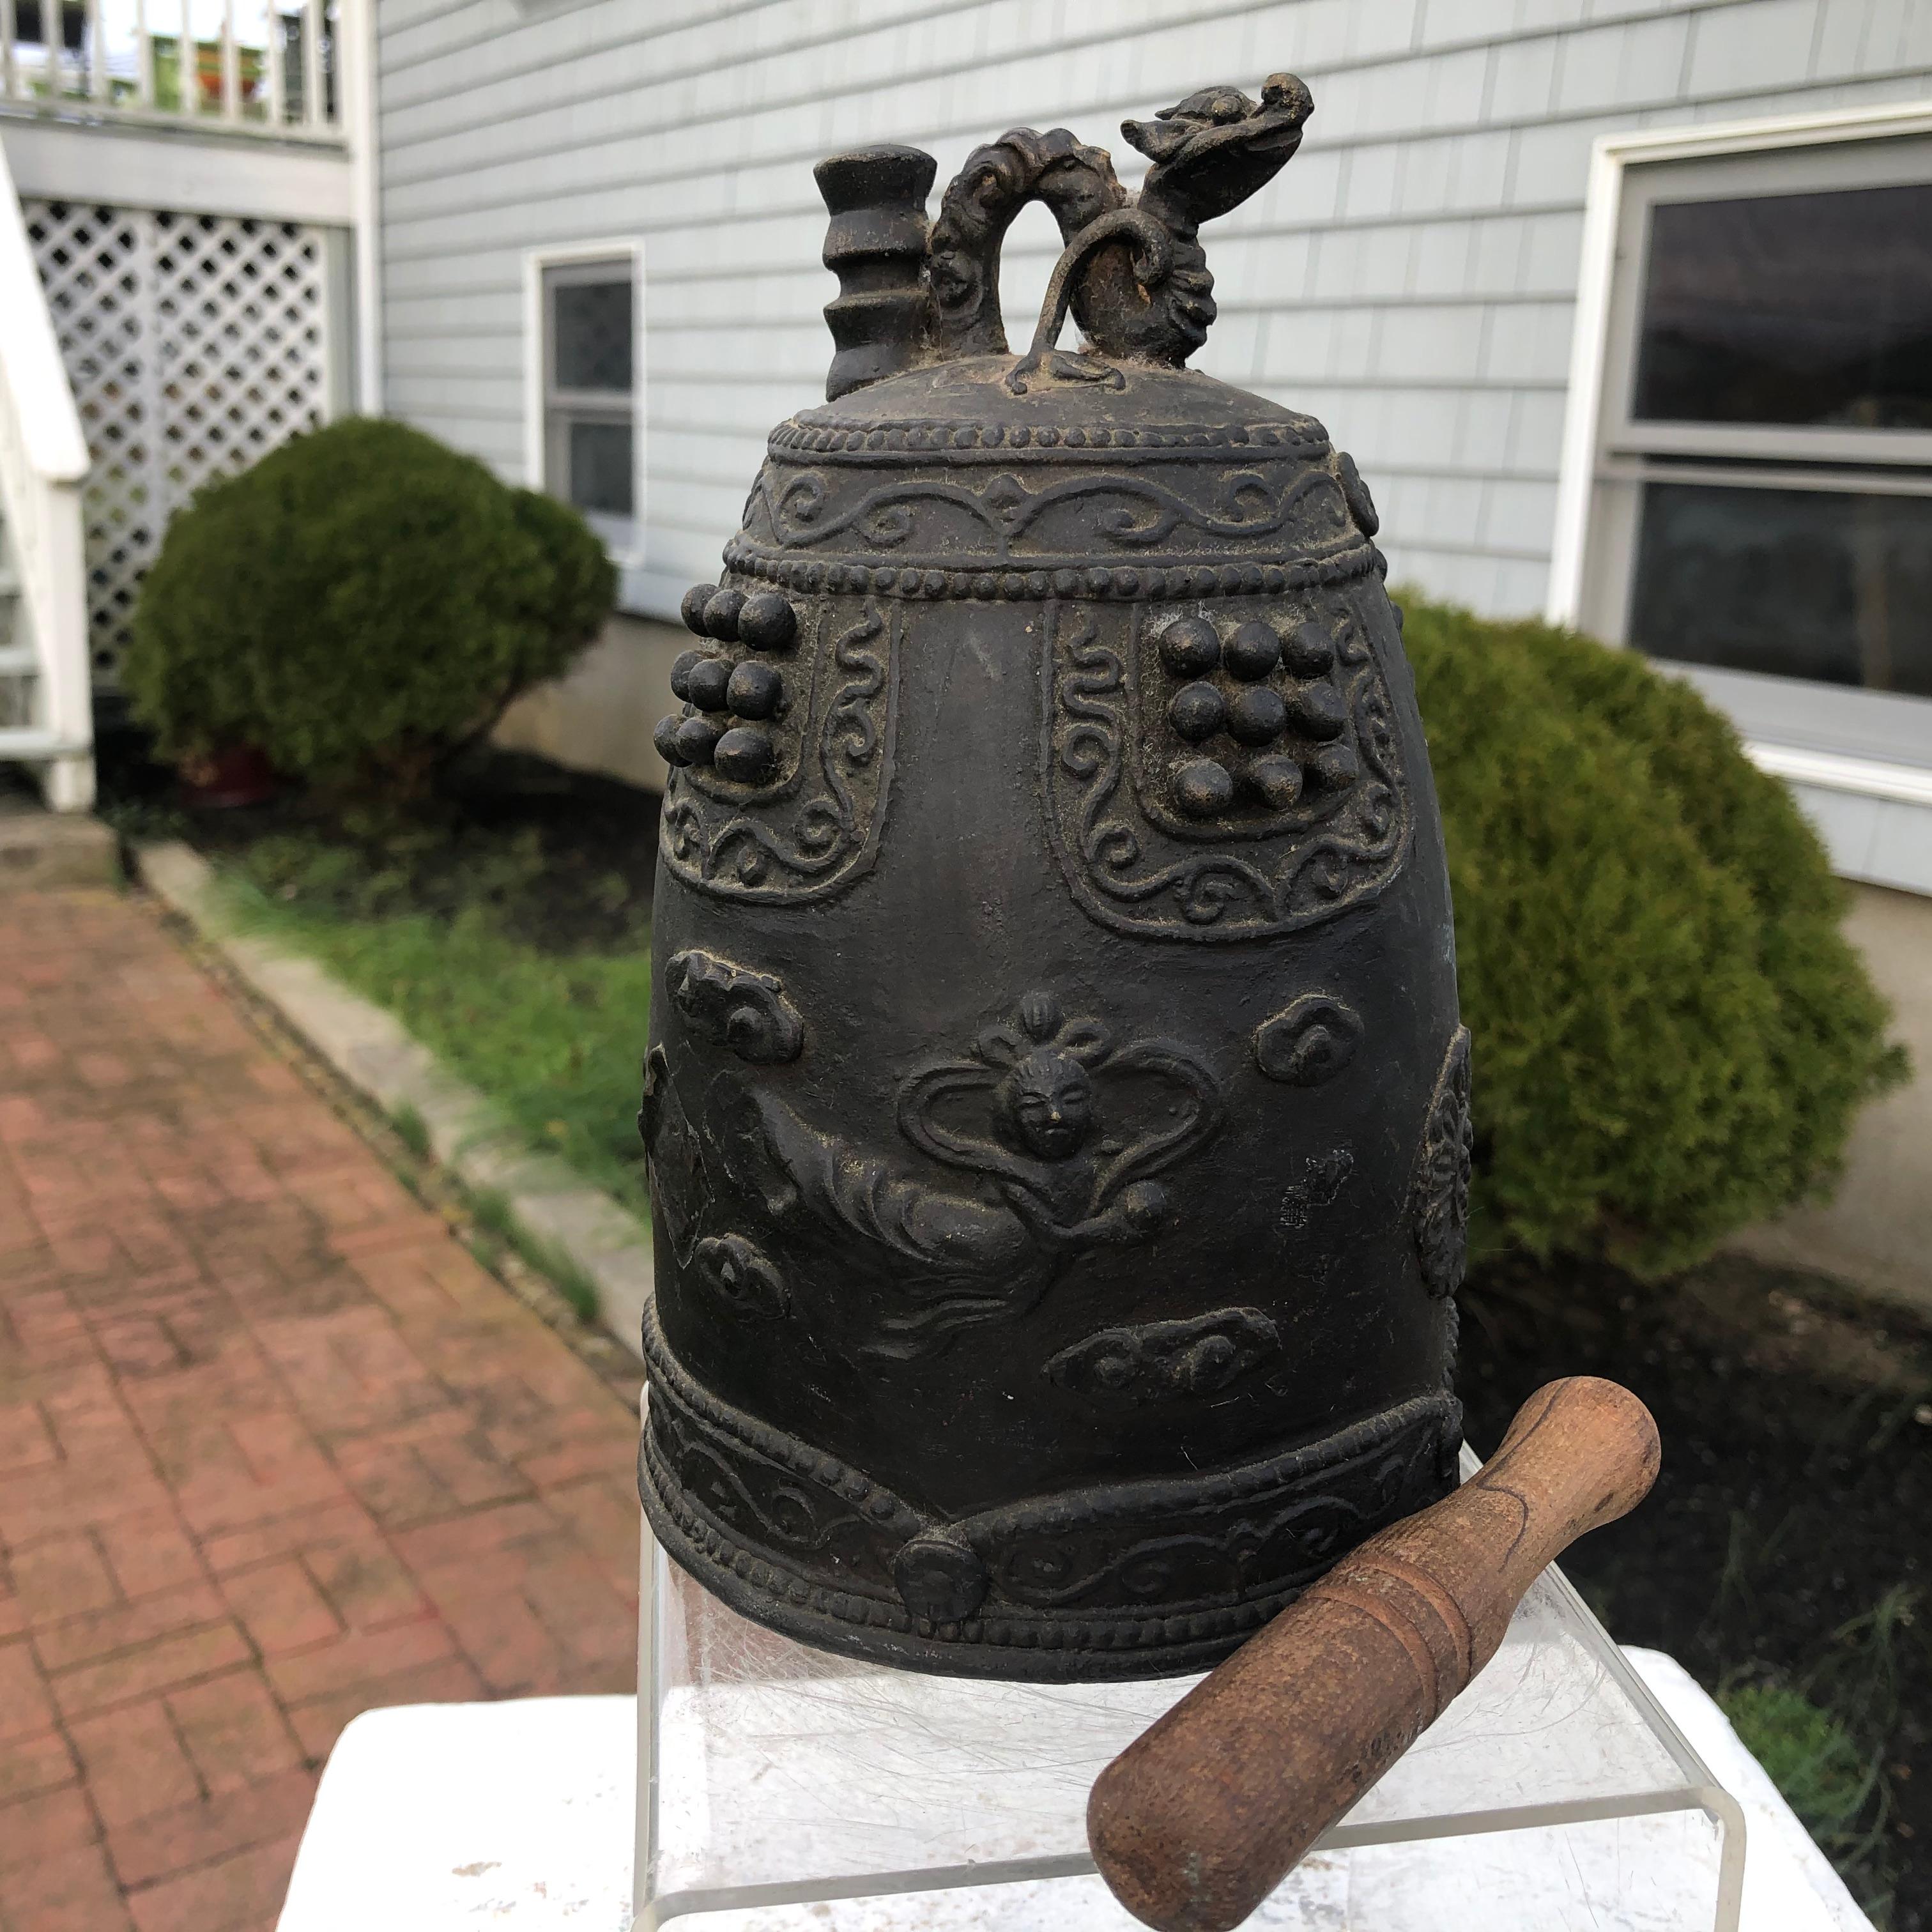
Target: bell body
{"points": [[1056, 1104]]}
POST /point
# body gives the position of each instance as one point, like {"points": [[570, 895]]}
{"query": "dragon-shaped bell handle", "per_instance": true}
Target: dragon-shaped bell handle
{"points": [[1132, 268]]}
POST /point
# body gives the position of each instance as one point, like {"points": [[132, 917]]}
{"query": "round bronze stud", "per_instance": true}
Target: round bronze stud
{"points": [[755, 690], [1202, 788], [939, 1580], [721, 614], [1190, 648], [1257, 715], [696, 739], [691, 609], [1253, 652], [680, 674], [664, 737], [1333, 766], [744, 756], [706, 683], [1318, 711], [1308, 651], [767, 622], [1197, 711], [1277, 779]]}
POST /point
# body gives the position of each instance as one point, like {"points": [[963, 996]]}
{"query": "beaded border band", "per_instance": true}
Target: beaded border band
{"points": [[808, 436], [989, 580]]}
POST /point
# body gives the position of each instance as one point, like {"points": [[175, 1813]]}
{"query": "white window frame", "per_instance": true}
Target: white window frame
{"points": [[1604, 451], [628, 555]]}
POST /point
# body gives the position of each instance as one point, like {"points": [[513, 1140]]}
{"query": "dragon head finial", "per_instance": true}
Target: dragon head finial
{"points": [[1132, 270]]}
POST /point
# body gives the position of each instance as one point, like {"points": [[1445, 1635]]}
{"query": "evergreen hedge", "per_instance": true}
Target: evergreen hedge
{"points": [[360, 604], [1671, 1033]]}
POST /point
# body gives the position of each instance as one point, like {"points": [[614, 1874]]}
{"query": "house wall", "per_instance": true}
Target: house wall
{"points": [[1409, 277], [1877, 1228], [598, 718]]}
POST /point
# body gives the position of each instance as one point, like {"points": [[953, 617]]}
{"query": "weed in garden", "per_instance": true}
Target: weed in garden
{"points": [[1825, 1736], [491, 1207], [497, 1229], [570, 1281], [1810, 1755], [1778, 1553], [140, 821], [1825, 1733], [412, 1130]]}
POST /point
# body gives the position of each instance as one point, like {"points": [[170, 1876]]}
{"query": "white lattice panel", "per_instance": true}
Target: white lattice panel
{"points": [[195, 343], [14, 699], [17, 687]]}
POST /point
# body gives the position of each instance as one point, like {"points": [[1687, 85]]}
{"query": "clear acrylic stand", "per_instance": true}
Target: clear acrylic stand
{"points": [[775, 1775]]}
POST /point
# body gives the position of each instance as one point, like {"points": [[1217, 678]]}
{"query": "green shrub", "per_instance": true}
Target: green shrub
{"points": [[1671, 1034], [359, 604]]}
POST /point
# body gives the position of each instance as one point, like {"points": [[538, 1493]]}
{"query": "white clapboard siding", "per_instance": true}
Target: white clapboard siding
{"points": [[1409, 277]]}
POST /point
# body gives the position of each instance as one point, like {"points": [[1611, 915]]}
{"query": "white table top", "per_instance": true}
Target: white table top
{"points": [[446, 1817]]}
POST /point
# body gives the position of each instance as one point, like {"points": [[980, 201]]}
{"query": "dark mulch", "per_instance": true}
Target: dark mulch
{"points": [[1795, 1499], [563, 858]]}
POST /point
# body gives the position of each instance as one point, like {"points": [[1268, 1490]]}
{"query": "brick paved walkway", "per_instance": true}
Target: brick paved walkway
{"points": [[274, 1448]]}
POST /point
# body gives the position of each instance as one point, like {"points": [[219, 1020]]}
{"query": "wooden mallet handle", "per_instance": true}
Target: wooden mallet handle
{"points": [[1198, 1819]]}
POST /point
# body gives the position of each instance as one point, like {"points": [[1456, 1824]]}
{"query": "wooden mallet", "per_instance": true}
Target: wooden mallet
{"points": [[1198, 1819]]}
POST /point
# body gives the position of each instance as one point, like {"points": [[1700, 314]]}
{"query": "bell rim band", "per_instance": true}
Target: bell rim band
{"points": [[866, 1618]]}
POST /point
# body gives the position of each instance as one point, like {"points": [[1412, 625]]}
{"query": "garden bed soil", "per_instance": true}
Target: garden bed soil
{"points": [[563, 858], [1796, 1417], [1794, 1500]]}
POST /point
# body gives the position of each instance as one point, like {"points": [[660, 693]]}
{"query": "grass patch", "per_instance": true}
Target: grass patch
{"points": [[1809, 1754], [1824, 1735], [569, 1280], [412, 1130], [554, 1038], [499, 1228], [491, 1207]]}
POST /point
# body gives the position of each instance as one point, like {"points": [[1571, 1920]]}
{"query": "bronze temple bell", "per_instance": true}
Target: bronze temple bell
{"points": [[1057, 1110]]}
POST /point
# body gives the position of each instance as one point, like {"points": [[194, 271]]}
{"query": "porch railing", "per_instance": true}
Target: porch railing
{"points": [[46, 707], [248, 67]]}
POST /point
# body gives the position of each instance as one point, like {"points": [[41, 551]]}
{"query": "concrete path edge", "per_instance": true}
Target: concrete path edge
{"points": [[553, 1207]]}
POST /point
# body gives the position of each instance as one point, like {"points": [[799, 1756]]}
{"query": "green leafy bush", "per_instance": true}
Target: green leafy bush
{"points": [[1671, 1035], [360, 604]]}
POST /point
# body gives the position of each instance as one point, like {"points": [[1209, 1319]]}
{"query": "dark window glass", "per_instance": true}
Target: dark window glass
{"points": [[27, 25], [1799, 583], [1790, 308], [600, 467], [591, 326]]}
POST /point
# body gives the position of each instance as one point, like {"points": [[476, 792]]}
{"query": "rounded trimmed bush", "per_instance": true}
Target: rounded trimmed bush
{"points": [[362, 603], [1671, 1033]]}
